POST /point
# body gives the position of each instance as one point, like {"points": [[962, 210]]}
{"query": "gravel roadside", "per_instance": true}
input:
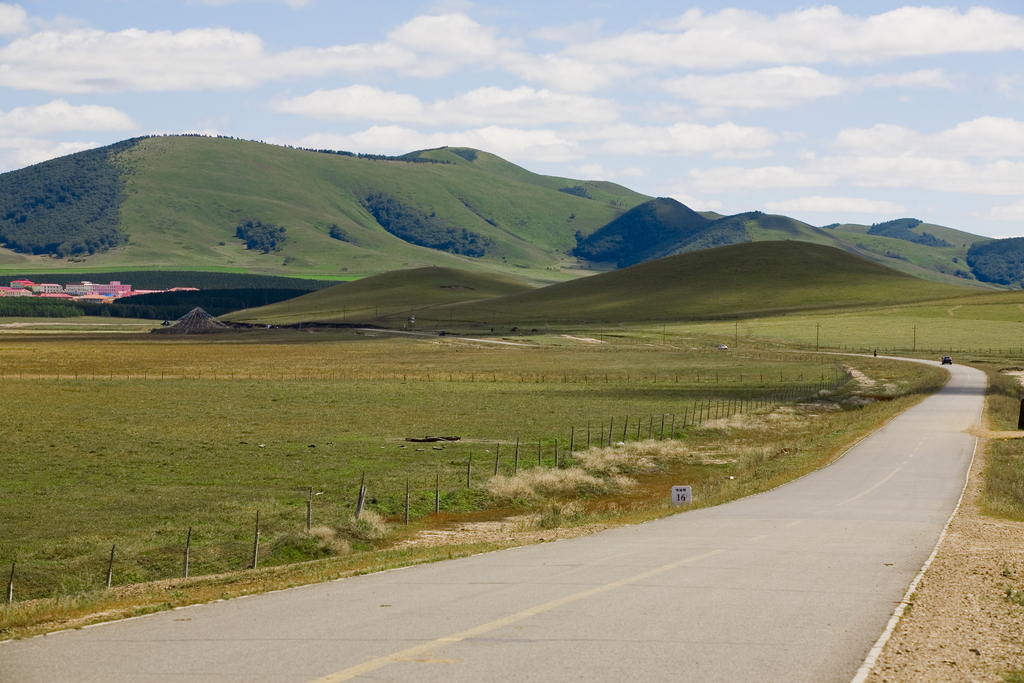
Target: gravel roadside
{"points": [[961, 625]]}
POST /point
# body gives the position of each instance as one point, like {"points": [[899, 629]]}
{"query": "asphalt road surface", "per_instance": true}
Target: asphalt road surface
{"points": [[795, 584]]}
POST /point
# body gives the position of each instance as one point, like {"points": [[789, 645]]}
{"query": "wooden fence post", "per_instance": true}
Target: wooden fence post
{"points": [[469, 472], [10, 585], [309, 510], [515, 469], [256, 542], [362, 495], [188, 544], [497, 456], [110, 566]]}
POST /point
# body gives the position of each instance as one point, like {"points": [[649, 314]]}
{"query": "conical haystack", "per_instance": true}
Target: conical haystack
{"points": [[196, 321]]}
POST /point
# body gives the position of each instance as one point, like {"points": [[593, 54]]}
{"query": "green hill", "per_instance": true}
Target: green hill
{"points": [[183, 202], [219, 204], [737, 281], [390, 297], [642, 233]]}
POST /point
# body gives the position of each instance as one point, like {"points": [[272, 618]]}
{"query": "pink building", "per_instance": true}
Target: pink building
{"points": [[115, 288], [22, 284], [14, 291]]}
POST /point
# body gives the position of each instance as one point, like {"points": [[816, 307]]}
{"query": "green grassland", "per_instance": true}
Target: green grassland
{"points": [[979, 324], [120, 456]]}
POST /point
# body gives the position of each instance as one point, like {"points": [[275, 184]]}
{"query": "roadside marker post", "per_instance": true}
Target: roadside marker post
{"points": [[681, 495]]}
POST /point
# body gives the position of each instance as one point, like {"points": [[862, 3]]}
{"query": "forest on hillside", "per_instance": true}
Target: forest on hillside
{"points": [[66, 206], [424, 230], [1000, 262], [901, 229]]}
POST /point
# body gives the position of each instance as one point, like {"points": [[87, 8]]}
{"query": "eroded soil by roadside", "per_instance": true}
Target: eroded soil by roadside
{"points": [[962, 626]]}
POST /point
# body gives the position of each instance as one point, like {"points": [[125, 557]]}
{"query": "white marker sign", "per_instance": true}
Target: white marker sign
{"points": [[681, 494]]}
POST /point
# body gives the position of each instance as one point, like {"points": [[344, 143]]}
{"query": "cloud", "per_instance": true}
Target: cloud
{"points": [[1013, 212], [491, 105], [19, 152], [987, 136], [510, 143], [735, 38], [739, 179], [564, 73], [445, 42], [1000, 177], [13, 19], [789, 86], [697, 204], [725, 139], [836, 205], [58, 115], [784, 86]]}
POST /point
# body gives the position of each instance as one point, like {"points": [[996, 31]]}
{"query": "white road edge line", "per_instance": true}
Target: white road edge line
{"points": [[869, 662]]}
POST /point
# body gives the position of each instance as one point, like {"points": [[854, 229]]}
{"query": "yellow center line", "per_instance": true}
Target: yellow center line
{"points": [[864, 493], [380, 662]]}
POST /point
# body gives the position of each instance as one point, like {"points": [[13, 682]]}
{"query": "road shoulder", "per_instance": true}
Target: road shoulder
{"points": [[960, 625]]}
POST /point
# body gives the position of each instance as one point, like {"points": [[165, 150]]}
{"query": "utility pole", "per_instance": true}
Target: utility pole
{"points": [[915, 338], [817, 337], [736, 335]]}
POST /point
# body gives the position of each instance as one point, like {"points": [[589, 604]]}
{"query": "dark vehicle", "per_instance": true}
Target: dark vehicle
{"points": [[947, 360]]}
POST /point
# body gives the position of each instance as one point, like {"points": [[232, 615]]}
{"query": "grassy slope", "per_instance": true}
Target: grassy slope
{"points": [[186, 195], [741, 280], [933, 263], [386, 294], [744, 280]]}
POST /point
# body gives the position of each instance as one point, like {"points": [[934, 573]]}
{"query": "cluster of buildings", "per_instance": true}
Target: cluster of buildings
{"points": [[80, 291]]}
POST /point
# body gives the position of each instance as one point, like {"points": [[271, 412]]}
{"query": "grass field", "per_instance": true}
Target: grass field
{"points": [[135, 460]]}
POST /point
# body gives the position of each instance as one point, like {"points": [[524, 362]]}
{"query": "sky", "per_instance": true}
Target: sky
{"points": [[855, 112]]}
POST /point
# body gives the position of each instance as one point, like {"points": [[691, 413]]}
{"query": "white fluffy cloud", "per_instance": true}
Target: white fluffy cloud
{"points": [[1012, 212], [788, 86], [59, 115], [988, 136], [723, 140], [18, 152], [783, 86], [510, 143], [445, 42], [735, 38], [739, 179], [999, 177], [13, 19], [836, 205], [492, 105]]}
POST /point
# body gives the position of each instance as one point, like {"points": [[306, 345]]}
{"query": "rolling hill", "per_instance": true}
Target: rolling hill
{"points": [[182, 200], [388, 297], [220, 204], [735, 281]]}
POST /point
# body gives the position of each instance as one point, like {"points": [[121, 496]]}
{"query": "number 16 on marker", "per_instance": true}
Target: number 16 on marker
{"points": [[681, 494]]}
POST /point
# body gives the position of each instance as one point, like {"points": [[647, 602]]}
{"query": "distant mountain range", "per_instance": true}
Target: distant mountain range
{"points": [[221, 204]]}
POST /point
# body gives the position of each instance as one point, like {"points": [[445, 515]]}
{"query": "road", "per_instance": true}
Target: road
{"points": [[795, 584]]}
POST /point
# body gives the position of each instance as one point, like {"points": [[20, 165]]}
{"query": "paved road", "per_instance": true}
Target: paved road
{"points": [[791, 585]]}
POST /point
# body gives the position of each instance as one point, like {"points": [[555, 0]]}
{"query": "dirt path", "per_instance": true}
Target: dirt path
{"points": [[961, 626]]}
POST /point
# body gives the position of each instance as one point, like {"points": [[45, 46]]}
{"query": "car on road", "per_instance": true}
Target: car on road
{"points": [[947, 360]]}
